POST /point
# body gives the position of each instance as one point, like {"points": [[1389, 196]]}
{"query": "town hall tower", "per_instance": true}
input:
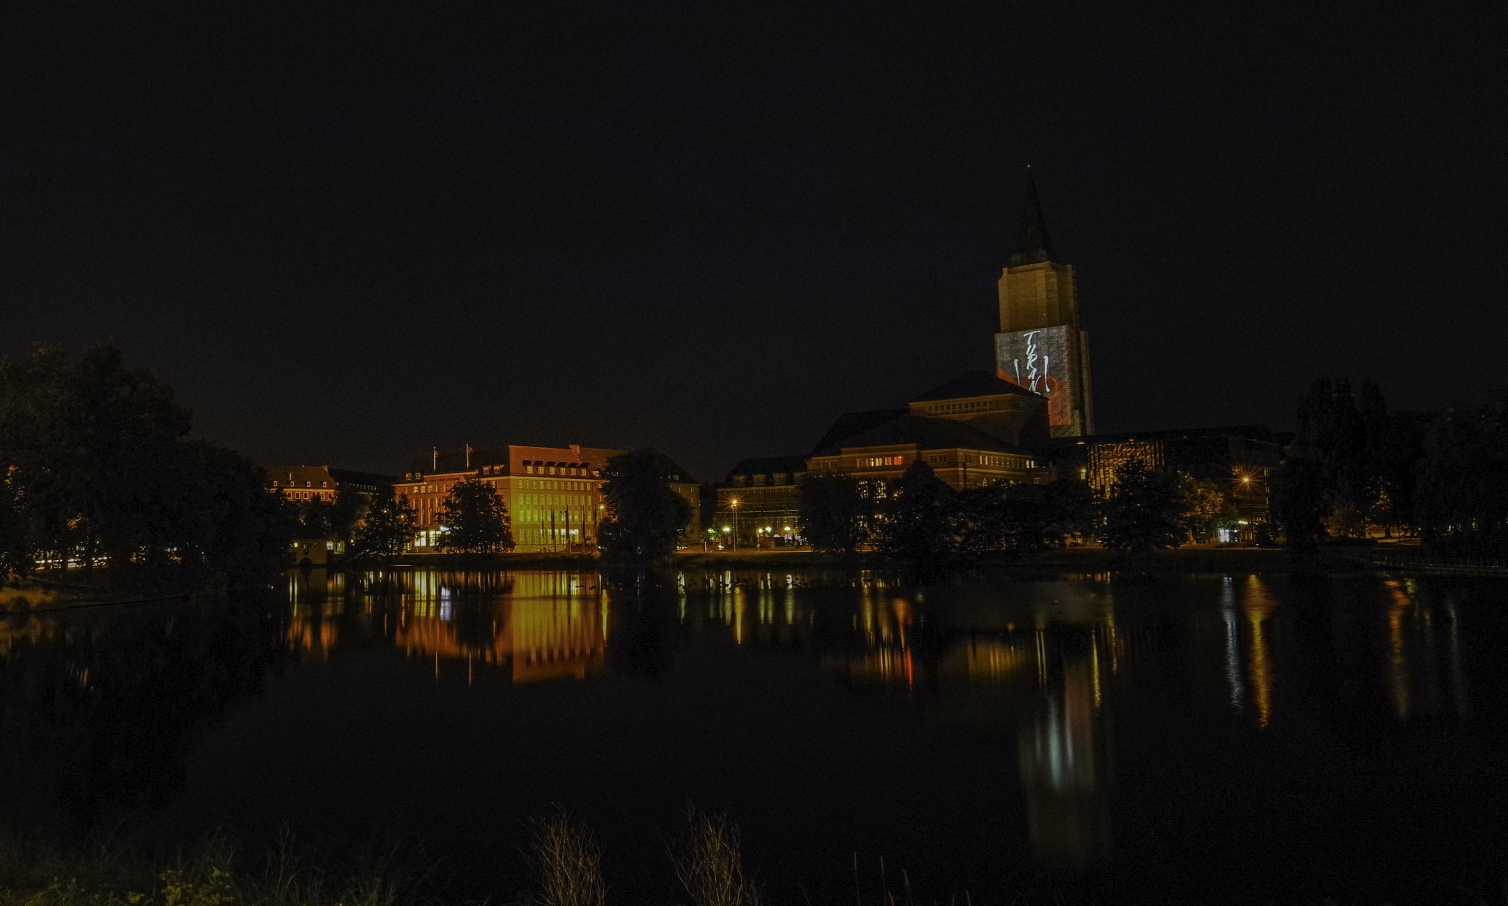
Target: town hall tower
{"points": [[1041, 345]]}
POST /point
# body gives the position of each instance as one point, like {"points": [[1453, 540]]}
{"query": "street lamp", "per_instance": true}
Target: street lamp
{"points": [[733, 503]]}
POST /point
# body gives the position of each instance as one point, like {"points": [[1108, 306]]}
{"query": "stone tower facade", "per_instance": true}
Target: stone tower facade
{"points": [[1041, 345]]}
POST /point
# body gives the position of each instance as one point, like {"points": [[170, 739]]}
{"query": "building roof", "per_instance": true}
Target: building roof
{"points": [[301, 476], [1032, 242], [673, 471], [927, 433], [769, 465], [1259, 433], [851, 423], [371, 479], [972, 384]]}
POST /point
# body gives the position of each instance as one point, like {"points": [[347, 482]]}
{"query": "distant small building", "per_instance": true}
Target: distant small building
{"points": [[758, 500], [302, 484]]}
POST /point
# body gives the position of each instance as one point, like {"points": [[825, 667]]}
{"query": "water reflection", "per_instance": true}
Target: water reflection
{"points": [[99, 710], [528, 626]]}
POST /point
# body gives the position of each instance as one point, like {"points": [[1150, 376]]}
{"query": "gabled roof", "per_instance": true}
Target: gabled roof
{"points": [[851, 423], [1032, 242], [972, 384], [769, 465], [300, 476], [926, 433]]}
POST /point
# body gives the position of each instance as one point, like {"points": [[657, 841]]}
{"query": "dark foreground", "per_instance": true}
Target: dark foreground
{"points": [[1167, 738]]}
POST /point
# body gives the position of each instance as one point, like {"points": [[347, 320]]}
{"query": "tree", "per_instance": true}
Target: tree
{"points": [[919, 517], [387, 528], [1144, 511], [1462, 498], [15, 547], [832, 512], [1206, 506], [474, 520], [253, 526], [645, 515], [1344, 437], [1298, 504], [316, 518], [98, 465], [1022, 518]]}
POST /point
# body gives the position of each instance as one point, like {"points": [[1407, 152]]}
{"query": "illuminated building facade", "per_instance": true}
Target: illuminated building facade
{"points": [[553, 494], [759, 501], [1239, 459], [1041, 345], [972, 431]]}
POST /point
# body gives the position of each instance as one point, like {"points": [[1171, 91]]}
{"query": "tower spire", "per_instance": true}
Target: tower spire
{"points": [[1032, 242]]}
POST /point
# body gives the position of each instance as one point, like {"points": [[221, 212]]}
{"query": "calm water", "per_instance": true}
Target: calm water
{"points": [[1202, 738]]}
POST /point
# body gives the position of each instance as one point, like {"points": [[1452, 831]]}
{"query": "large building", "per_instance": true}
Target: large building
{"points": [[553, 494], [1041, 345], [974, 430]]}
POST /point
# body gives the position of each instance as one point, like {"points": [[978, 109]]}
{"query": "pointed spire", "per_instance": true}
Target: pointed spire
{"points": [[1032, 242]]}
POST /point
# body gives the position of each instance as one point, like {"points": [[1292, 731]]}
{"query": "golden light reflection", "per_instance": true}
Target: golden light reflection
{"points": [[1063, 760], [1257, 605], [1398, 666]]}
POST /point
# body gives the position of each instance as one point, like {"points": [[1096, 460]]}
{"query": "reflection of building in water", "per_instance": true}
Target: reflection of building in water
{"points": [[1416, 623], [316, 600], [548, 625], [1053, 693], [533, 625], [1064, 766]]}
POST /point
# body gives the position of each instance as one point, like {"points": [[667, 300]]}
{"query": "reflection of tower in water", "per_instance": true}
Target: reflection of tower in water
{"points": [[1063, 750]]}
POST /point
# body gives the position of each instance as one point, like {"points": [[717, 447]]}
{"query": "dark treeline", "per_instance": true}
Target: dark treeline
{"points": [[920, 518], [97, 467], [1355, 467]]}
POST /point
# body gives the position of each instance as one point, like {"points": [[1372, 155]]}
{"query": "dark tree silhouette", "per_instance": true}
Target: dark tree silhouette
{"points": [[1462, 498], [645, 515], [387, 529], [474, 520], [1144, 511], [832, 512], [919, 522], [1023, 518], [99, 466]]}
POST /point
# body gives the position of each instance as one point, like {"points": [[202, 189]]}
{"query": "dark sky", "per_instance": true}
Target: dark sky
{"points": [[347, 235]]}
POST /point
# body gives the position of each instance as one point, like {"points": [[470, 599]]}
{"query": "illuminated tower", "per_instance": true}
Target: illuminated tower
{"points": [[1040, 345]]}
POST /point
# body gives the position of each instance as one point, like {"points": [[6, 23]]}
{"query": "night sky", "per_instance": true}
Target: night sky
{"points": [[347, 236]]}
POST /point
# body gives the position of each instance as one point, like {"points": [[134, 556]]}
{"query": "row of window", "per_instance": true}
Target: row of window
{"points": [[877, 461], [967, 406]]}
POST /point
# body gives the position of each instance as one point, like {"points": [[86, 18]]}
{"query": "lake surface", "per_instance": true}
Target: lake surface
{"points": [[1213, 738]]}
